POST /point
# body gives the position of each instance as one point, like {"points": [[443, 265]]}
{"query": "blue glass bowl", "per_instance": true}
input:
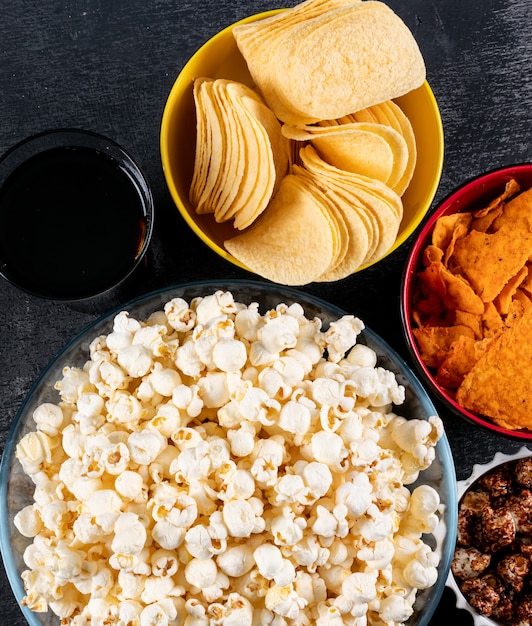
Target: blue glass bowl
{"points": [[16, 488]]}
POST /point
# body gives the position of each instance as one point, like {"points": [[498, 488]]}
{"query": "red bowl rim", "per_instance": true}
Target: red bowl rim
{"points": [[474, 191]]}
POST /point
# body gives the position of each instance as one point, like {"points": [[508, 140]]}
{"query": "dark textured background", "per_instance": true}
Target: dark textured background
{"points": [[108, 66]]}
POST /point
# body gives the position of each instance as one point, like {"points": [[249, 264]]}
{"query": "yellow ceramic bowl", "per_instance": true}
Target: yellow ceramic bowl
{"points": [[220, 58]]}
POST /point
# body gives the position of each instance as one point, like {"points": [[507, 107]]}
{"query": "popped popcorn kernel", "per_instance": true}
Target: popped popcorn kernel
{"points": [[218, 465]]}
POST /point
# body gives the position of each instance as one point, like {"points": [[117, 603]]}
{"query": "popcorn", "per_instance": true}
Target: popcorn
{"points": [[158, 614], [272, 565], [179, 315], [329, 448], [49, 418], [168, 535], [283, 601], [201, 573], [240, 519], [215, 465], [145, 446], [34, 450], [129, 535], [236, 561], [136, 360], [295, 418], [286, 529], [28, 521]]}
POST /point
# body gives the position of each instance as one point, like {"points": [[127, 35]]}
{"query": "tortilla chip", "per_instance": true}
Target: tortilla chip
{"points": [[461, 357], [504, 299], [445, 227], [519, 306], [472, 320], [427, 308], [492, 322], [432, 254], [511, 188], [459, 294], [484, 223], [499, 385], [489, 260], [435, 342], [487, 288]]}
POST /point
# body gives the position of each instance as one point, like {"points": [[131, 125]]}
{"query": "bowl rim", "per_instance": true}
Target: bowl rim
{"points": [[176, 93], [70, 137], [408, 279], [417, 392]]}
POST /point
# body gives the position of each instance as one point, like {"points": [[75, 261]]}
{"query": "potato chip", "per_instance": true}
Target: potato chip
{"points": [[375, 199], [241, 155], [209, 147], [389, 114], [356, 167], [291, 61], [349, 147], [233, 164], [279, 145], [400, 122], [356, 236], [312, 160], [294, 222], [374, 150]]}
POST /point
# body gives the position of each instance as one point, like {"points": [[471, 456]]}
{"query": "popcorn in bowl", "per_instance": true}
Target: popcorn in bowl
{"points": [[213, 464]]}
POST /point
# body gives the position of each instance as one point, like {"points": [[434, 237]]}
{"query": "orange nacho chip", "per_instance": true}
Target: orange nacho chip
{"points": [[445, 227], [490, 260], [500, 384], [492, 322], [505, 297], [462, 355], [455, 292], [473, 307], [510, 189], [435, 342], [472, 320]]}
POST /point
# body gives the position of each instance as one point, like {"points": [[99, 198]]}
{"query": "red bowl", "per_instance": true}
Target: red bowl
{"points": [[474, 194]]}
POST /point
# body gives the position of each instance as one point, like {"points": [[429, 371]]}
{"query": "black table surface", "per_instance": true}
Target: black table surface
{"points": [[108, 66]]}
